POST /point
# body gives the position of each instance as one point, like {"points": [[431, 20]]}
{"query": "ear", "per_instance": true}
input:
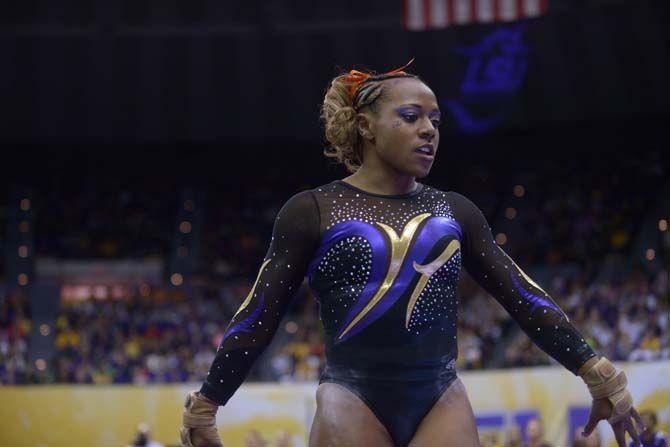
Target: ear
{"points": [[365, 125]]}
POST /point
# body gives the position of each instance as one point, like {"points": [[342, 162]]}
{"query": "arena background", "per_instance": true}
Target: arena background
{"points": [[147, 147]]}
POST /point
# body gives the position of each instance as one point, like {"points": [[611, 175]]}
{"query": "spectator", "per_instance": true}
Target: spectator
{"points": [[143, 437], [535, 434], [651, 437], [254, 439], [513, 436], [592, 440], [284, 439]]}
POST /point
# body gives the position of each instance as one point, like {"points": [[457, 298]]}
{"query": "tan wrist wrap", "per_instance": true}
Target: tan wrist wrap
{"points": [[199, 422], [200, 411], [605, 381]]}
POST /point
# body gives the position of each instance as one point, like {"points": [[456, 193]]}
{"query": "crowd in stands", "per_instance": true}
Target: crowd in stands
{"points": [[236, 233], [575, 211], [531, 435], [15, 327], [161, 335], [93, 220], [153, 336], [580, 215], [625, 319]]}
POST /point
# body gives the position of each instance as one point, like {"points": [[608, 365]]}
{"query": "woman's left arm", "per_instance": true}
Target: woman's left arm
{"points": [[542, 319]]}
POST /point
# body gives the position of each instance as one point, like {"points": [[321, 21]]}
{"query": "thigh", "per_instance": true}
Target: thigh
{"points": [[450, 423], [343, 420]]}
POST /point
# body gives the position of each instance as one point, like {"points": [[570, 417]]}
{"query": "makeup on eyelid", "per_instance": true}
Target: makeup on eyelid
{"points": [[406, 112]]}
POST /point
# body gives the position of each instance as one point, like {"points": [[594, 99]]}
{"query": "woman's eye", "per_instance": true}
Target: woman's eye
{"points": [[436, 123], [410, 118]]}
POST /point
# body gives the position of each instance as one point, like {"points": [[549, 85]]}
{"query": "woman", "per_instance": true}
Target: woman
{"points": [[382, 254]]}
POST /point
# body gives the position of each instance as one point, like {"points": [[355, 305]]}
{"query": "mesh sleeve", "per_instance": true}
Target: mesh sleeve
{"points": [[527, 303], [294, 241]]}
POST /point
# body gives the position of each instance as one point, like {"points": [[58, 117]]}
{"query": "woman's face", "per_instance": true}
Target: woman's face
{"points": [[404, 130]]}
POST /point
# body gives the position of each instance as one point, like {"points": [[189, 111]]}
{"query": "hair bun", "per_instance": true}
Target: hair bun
{"points": [[341, 130]]}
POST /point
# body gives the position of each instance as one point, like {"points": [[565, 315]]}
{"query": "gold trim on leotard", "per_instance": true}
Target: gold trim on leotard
{"points": [[426, 272], [399, 248], [247, 300]]}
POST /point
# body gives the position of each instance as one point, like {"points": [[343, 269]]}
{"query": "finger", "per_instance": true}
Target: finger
{"points": [[591, 424], [630, 428], [619, 433], [638, 419]]}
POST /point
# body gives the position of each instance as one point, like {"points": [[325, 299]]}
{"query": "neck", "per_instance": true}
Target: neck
{"points": [[378, 177]]}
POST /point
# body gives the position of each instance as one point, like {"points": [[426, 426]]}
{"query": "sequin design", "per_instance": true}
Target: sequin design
{"points": [[427, 272], [247, 300], [345, 267], [246, 324], [438, 304], [393, 260], [350, 243], [535, 302]]}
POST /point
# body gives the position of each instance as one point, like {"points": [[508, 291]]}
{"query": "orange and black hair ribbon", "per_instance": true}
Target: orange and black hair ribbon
{"points": [[356, 78]]}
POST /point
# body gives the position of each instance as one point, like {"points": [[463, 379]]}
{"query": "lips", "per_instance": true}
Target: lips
{"points": [[425, 153], [426, 149]]}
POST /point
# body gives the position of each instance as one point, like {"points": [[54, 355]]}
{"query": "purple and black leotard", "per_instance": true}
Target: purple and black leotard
{"points": [[385, 271]]}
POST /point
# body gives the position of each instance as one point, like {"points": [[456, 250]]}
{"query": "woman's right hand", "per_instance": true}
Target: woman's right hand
{"points": [[199, 422]]}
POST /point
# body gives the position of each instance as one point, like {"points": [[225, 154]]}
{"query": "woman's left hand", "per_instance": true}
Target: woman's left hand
{"points": [[611, 400], [603, 409]]}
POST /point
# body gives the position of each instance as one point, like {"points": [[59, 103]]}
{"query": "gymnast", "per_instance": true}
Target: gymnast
{"points": [[382, 254]]}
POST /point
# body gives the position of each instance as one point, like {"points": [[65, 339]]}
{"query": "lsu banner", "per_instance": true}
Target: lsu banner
{"points": [[55, 416]]}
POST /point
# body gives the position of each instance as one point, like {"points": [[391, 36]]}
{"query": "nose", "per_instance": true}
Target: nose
{"points": [[427, 130]]}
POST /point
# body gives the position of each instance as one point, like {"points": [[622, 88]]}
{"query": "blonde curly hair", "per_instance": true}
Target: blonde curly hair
{"points": [[339, 113]]}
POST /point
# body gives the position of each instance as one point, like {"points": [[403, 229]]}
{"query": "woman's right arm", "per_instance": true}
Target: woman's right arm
{"points": [[295, 238]]}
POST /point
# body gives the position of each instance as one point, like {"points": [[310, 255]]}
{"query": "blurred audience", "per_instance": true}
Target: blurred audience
{"points": [[623, 319], [651, 436], [592, 440], [254, 439], [161, 335], [15, 327], [143, 437], [170, 335], [535, 434], [95, 219], [284, 439], [579, 214], [513, 436], [575, 211]]}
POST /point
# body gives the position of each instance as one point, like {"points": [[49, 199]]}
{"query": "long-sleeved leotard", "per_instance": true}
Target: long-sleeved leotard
{"points": [[385, 270]]}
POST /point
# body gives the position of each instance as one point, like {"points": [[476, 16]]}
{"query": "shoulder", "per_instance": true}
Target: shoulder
{"points": [[461, 207], [310, 198], [469, 216], [459, 199], [300, 202], [299, 217], [448, 195]]}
